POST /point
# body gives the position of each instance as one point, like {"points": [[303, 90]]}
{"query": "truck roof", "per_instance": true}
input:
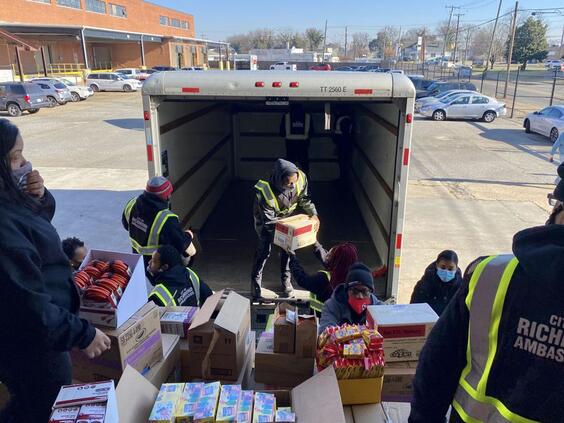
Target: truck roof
{"points": [[270, 83]]}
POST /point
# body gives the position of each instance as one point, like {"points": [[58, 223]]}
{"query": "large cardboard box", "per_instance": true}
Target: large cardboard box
{"points": [[284, 328], [277, 369], [405, 328], [361, 391], [161, 371], [177, 320], [133, 298], [72, 398], [136, 343], [398, 381], [306, 336], [218, 335], [370, 413], [295, 232]]}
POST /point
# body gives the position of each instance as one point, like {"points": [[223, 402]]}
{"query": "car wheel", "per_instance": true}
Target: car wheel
{"points": [[127, 88], [14, 110], [554, 134], [527, 126], [52, 102], [75, 97], [439, 115], [489, 116], [95, 88], [32, 111]]}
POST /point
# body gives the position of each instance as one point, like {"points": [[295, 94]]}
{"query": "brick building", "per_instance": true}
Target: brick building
{"points": [[96, 34]]}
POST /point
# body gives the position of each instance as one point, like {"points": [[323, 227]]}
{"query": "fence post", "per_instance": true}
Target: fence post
{"points": [[515, 91], [497, 83], [553, 86], [482, 83]]}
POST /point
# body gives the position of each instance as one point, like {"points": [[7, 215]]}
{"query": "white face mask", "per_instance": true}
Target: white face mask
{"points": [[20, 175]]}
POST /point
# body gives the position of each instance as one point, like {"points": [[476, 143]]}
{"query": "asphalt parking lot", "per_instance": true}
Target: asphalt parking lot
{"points": [[472, 185]]}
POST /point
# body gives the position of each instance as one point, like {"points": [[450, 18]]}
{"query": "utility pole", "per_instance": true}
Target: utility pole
{"points": [[466, 46], [511, 42], [488, 57], [324, 42], [448, 28], [346, 34], [562, 42], [398, 49], [458, 15]]}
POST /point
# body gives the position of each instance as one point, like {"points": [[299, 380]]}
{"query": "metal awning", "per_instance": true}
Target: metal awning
{"points": [[13, 39]]}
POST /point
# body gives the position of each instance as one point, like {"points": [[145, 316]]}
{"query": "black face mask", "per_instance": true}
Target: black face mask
{"points": [[552, 219]]}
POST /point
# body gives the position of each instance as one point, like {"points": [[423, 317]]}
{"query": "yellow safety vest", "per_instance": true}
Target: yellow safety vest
{"points": [[154, 233], [486, 295], [264, 189], [314, 302], [167, 298]]}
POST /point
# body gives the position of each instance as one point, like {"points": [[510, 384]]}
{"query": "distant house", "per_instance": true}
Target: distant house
{"points": [[433, 49], [292, 55]]}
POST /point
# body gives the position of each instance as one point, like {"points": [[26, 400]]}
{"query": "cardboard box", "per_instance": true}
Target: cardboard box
{"points": [[369, 413], [219, 341], [133, 298], [306, 336], [90, 398], [160, 372], [295, 232], [284, 328], [137, 343], [361, 391], [278, 369], [398, 381], [405, 328], [177, 320]]}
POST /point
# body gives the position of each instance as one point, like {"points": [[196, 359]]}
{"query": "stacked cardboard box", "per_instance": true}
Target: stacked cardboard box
{"points": [[285, 353], [405, 328]]}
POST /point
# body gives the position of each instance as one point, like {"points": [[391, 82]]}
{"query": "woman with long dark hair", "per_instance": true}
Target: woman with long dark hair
{"points": [[39, 302]]}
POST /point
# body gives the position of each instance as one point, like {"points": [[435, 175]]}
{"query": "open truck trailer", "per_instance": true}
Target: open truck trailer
{"points": [[214, 134]]}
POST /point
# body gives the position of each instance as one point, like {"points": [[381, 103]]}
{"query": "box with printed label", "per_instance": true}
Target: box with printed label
{"points": [[91, 402], [137, 343], [64, 415], [295, 232], [405, 328], [398, 381], [132, 299], [177, 320], [92, 413]]}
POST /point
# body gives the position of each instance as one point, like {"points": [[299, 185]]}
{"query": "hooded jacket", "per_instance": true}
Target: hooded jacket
{"points": [[336, 310], [433, 291], [265, 216], [528, 369], [177, 280], [38, 297]]}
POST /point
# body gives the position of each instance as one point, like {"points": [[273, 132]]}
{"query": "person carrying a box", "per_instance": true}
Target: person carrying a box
{"points": [[350, 299], [497, 352], [175, 284], [151, 223], [321, 285], [277, 198], [38, 298]]}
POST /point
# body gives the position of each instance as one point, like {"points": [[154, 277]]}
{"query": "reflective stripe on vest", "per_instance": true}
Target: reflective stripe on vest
{"points": [[128, 208], [314, 302], [486, 296], [162, 293], [290, 135], [263, 187], [154, 234], [195, 284]]}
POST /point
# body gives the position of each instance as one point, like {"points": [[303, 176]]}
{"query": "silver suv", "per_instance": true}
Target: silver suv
{"points": [[56, 92], [15, 97], [112, 82]]}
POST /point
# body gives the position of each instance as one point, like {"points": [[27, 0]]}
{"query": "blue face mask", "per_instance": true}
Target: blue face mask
{"points": [[446, 275]]}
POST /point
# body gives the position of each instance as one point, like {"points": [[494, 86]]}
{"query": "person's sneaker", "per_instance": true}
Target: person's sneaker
{"points": [[288, 289]]}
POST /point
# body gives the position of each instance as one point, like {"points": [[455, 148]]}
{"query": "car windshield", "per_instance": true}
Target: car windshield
{"points": [[67, 82], [60, 85]]}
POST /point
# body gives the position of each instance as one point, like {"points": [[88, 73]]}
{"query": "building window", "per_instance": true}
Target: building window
{"points": [[75, 4], [117, 10], [175, 23], [184, 25], [164, 21], [42, 1], [97, 6]]}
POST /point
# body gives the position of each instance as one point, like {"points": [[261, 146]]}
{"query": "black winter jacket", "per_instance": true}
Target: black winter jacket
{"points": [[177, 280], [316, 283], [38, 298], [433, 291], [525, 380]]}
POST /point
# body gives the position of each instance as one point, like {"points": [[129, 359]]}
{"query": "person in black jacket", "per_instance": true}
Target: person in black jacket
{"points": [[175, 284], [75, 250], [38, 298], [527, 367], [441, 280]]}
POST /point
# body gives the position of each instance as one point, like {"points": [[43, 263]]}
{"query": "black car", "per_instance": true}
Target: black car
{"points": [[15, 97], [440, 87], [421, 83], [164, 68]]}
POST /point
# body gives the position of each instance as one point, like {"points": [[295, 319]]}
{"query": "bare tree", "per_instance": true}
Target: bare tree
{"points": [[262, 38], [314, 37], [240, 42], [411, 35], [386, 41], [481, 41], [447, 34], [360, 41]]}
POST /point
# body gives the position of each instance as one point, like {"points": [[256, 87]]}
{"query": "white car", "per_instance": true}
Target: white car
{"points": [[548, 122], [78, 92], [444, 95], [465, 106], [133, 73], [112, 81], [284, 66], [554, 64]]}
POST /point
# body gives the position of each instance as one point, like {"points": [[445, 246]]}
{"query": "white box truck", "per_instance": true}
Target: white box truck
{"points": [[214, 134]]}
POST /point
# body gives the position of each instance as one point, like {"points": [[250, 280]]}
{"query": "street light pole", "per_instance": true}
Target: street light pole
{"points": [[488, 57], [511, 43]]}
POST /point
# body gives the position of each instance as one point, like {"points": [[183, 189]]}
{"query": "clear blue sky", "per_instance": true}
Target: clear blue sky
{"points": [[217, 19]]}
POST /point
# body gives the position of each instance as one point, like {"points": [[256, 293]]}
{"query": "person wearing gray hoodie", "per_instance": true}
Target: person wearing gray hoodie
{"points": [[281, 196]]}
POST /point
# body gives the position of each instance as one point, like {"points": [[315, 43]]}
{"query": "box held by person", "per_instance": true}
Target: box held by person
{"points": [[295, 232]]}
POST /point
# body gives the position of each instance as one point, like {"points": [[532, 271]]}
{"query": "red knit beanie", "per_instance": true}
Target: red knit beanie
{"points": [[159, 186]]}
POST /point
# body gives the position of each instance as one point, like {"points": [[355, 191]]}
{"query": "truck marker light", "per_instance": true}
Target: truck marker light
{"points": [[190, 90], [294, 84], [405, 156], [363, 91], [149, 153], [399, 239], [409, 118], [146, 116], [259, 84], [277, 84], [397, 262]]}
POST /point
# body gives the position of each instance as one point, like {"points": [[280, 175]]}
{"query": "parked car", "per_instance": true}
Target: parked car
{"points": [[420, 82], [400, 71], [554, 64], [284, 66], [346, 69], [463, 71], [57, 93], [193, 68], [321, 67], [465, 106], [447, 95], [16, 97], [133, 73], [548, 122], [78, 92], [112, 82], [439, 87], [164, 68], [150, 71]]}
